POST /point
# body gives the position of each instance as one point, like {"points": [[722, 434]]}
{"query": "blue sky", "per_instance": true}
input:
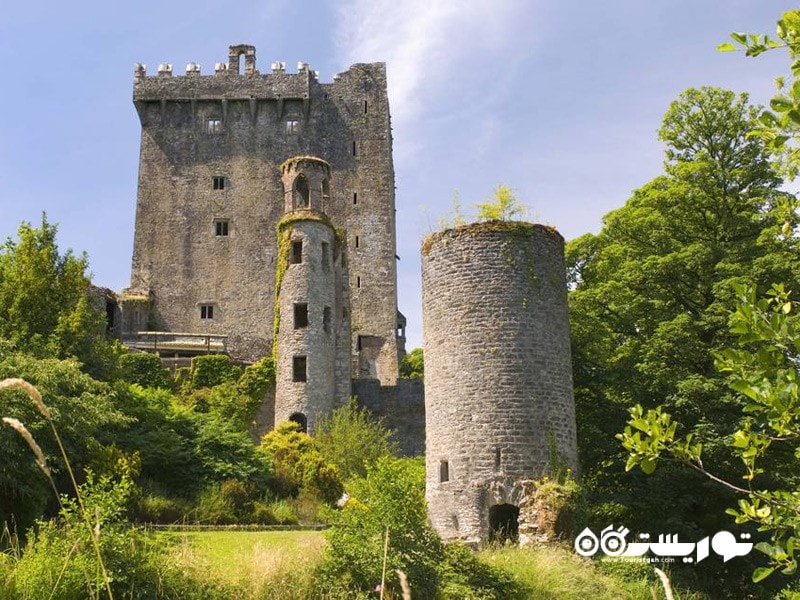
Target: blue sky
{"points": [[559, 99]]}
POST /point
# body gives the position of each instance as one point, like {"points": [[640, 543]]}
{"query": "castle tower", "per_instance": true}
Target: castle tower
{"points": [[498, 379], [309, 300], [210, 195]]}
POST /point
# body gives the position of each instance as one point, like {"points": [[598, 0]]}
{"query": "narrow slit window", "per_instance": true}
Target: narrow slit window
{"points": [[326, 257], [358, 281], [299, 368], [218, 182], [357, 240], [300, 315], [326, 319], [359, 343], [365, 107], [297, 252], [355, 197], [444, 471], [498, 456], [214, 126], [206, 311], [221, 227], [354, 148]]}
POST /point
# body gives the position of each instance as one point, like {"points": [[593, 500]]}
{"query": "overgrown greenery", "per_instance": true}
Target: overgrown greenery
{"points": [[649, 304], [413, 365]]}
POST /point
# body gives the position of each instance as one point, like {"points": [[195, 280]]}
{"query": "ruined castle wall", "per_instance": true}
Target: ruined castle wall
{"points": [[498, 377], [242, 127], [402, 408]]}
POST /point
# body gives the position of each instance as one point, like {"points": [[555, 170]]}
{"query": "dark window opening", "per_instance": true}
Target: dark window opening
{"points": [[301, 420], [326, 319], [365, 107], [359, 344], [221, 227], [300, 315], [444, 471], [214, 126], [218, 182], [354, 148], [355, 197], [111, 309], [206, 311], [292, 126], [301, 187], [299, 368], [326, 258], [297, 252], [356, 241], [497, 457], [358, 281], [326, 189], [504, 523]]}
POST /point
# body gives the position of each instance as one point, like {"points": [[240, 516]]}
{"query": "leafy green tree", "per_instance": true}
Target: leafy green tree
{"points": [[413, 365], [351, 438], [83, 410], [778, 128], [145, 369], [762, 369], [649, 303], [45, 306]]}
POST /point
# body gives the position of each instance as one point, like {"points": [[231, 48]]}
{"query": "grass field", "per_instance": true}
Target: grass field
{"points": [[250, 560]]}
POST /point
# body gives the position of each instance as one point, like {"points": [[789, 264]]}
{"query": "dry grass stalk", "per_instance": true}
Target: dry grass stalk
{"points": [[665, 582], [385, 554], [404, 584], [18, 426], [33, 393]]}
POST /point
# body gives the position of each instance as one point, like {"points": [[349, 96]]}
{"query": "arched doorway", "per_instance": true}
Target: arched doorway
{"points": [[504, 523], [301, 420]]}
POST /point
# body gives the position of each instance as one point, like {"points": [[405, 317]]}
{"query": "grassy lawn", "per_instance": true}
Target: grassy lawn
{"points": [[248, 559]]}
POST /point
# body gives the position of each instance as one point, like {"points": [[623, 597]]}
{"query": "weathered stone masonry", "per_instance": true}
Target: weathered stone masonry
{"points": [[498, 380], [210, 196]]}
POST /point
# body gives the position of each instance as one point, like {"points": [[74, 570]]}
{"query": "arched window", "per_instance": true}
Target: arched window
{"points": [[301, 197], [301, 420]]}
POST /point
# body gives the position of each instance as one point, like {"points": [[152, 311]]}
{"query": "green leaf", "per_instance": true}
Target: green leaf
{"points": [[740, 37], [648, 466], [726, 47], [781, 103], [762, 573]]}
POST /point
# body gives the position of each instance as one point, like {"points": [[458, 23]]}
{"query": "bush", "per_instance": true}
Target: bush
{"points": [[413, 366], [257, 379], [213, 369], [144, 369], [390, 499], [298, 465], [352, 438], [152, 508]]}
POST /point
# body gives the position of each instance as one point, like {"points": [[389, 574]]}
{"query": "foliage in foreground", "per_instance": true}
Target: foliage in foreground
{"points": [[763, 370]]}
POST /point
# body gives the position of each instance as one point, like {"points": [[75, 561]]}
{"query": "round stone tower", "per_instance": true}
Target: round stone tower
{"points": [[499, 401], [305, 332]]}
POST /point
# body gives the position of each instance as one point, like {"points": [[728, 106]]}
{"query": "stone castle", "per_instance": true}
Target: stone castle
{"points": [[265, 225]]}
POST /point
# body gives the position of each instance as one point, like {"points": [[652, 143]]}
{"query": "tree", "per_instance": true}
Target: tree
{"points": [[45, 308], [779, 128], [413, 365], [762, 369], [649, 303]]}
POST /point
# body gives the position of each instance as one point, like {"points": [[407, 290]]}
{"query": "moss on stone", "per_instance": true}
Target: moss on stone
{"points": [[484, 227]]}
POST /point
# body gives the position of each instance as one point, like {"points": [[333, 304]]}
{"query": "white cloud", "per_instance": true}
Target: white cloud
{"points": [[425, 43]]}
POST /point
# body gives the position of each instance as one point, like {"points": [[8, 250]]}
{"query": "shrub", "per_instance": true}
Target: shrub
{"points": [[152, 508], [352, 438], [413, 365], [213, 369], [144, 369], [257, 379], [390, 499], [298, 464]]}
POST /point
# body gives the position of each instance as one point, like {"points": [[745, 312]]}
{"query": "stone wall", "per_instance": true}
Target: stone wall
{"points": [[239, 129], [498, 380], [402, 407]]}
